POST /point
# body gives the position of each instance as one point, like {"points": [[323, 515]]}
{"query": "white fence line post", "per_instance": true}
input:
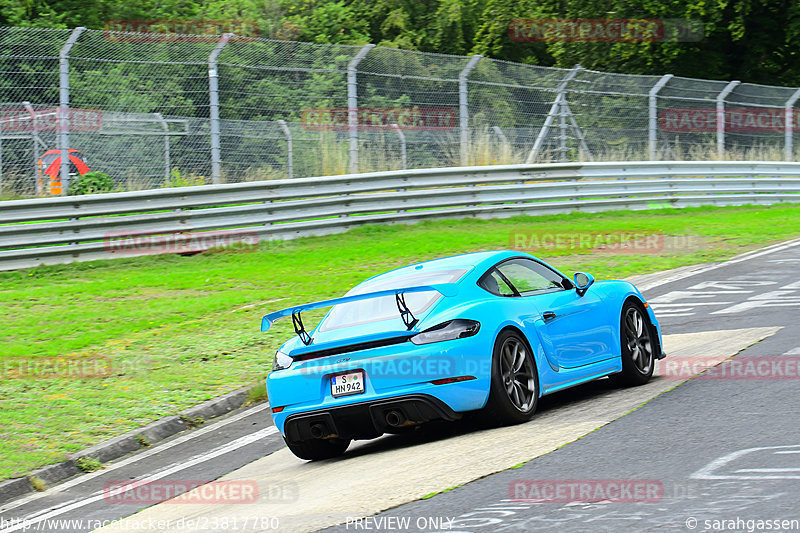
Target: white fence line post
{"points": [[463, 107], [289, 151], [35, 142], [352, 104], [402, 137], [63, 104], [789, 125], [652, 129], [721, 116], [213, 100]]}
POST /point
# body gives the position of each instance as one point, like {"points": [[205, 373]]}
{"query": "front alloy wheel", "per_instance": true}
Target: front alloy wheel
{"points": [[638, 359]]}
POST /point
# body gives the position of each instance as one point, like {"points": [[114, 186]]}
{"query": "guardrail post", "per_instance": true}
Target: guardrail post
{"points": [[63, 104], [213, 99], [555, 109], [165, 127], [402, 137], [721, 116], [352, 104], [652, 128], [789, 125], [289, 151], [463, 107]]}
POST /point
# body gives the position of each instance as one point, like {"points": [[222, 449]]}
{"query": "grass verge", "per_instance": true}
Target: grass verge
{"points": [[91, 350]]}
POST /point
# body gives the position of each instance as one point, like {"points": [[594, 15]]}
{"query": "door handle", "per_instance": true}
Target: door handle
{"points": [[548, 315]]}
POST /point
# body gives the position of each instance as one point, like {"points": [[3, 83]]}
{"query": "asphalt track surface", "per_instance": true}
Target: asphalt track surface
{"points": [[722, 449]]}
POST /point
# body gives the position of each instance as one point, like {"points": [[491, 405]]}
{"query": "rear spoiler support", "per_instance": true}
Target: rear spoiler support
{"points": [[297, 321], [445, 289], [405, 313]]}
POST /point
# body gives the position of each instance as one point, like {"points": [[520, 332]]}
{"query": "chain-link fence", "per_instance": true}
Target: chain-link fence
{"points": [[155, 110]]}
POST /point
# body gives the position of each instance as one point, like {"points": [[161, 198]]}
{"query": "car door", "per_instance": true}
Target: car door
{"points": [[573, 329]]}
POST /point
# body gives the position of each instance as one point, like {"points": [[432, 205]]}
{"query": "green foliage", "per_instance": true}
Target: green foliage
{"points": [[91, 183], [179, 179], [88, 464], [748, 41], [38, 484]]}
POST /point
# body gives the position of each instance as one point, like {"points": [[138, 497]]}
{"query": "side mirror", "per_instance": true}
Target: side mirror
{"points": [[582, 282]]}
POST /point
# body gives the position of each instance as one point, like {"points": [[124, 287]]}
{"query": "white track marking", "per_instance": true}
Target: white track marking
{"points": [[738, 259], [134, 458], [28, 522], [661, 306], [710, 470]]}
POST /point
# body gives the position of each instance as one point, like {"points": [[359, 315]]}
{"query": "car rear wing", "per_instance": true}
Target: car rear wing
{"points": [[445, 289]]}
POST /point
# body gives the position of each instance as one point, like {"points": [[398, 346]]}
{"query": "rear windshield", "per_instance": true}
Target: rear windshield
{"points": [[385, 307]]}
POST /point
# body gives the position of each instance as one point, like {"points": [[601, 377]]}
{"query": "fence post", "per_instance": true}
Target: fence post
{"points": [[63, 104], [789, 125], [503, 141], [402, 137], [555, 109], [463, 107], [721, 116], [653, 107], [352, 105], [35, 141], [289, 151], [213, 99], [165, 128]]}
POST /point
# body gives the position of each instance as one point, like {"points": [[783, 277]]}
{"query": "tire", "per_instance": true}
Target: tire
{"points": [[636, 339], [514, 391], [318, 449]]}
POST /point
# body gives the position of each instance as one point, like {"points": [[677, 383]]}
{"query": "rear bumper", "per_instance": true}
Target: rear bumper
{"points": [[390, 372], [365, 420]]}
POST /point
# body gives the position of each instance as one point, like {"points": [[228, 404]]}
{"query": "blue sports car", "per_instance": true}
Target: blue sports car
{"points": [[430, 341]]}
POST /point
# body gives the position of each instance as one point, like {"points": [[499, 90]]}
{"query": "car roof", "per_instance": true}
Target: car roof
{"points": [[457, 262]]}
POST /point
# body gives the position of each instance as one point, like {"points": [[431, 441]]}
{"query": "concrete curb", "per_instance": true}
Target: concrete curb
{"points": [[127, 443]]}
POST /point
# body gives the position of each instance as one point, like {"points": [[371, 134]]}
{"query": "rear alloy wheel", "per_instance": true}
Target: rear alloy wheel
{"points": [[638, 359], [514, 390], [318, 449]]}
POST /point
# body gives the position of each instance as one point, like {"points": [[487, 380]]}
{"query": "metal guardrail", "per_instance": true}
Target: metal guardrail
{"points": [[83, 228]]}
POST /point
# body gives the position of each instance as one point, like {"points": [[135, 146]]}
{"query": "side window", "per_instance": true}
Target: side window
{"points": [[495, 284], [529, 276]]}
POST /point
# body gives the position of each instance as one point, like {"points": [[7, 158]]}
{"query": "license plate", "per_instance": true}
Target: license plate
{"points": [[346, 384]]}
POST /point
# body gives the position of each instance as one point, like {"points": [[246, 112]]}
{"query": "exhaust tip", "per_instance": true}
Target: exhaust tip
{"points": [[318, 431], [395, 418]]}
